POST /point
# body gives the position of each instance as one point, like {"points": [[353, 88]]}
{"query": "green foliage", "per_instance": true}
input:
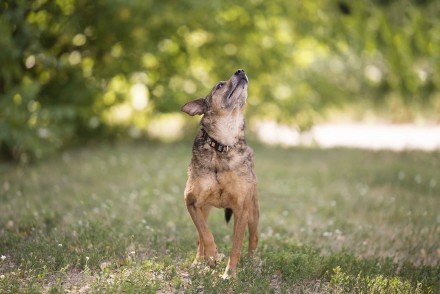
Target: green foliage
{"points": [[69, 68], [341, 282]]}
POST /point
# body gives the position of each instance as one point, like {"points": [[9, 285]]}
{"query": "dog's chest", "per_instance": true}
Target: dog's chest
{"points": [[225, 164], [226, 188], [228, 180]]}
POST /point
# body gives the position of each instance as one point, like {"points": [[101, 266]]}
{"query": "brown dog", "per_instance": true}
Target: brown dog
{"points": [[221, 172]]}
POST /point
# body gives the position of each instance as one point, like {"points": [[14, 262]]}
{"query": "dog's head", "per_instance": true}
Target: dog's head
{"points": [[225, 97]]}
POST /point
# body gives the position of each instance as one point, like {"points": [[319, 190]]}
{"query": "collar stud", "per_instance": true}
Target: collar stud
{"points": [[219, 147]]}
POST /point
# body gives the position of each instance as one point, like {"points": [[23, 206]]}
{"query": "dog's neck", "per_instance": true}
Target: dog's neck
{"points": [[227, 130]]}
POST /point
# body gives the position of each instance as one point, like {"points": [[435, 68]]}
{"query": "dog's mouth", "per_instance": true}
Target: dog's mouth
{"points": [[231, 93], [242, 82]]}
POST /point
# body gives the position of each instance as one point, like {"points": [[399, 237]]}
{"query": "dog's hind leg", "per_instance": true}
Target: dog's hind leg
{"points": [[240, 222], [254, 217]]}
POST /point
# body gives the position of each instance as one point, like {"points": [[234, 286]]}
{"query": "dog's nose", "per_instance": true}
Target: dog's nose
{"points": [[239, 72]]}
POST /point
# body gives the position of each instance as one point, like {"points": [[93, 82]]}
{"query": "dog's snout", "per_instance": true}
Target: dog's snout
{"points": [[239, 72]]}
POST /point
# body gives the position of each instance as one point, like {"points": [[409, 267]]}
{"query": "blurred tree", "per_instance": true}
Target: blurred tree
{"points": [[73, 70]]}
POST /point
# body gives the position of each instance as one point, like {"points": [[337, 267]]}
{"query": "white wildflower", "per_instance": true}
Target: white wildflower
{"points": [[327, 234]]}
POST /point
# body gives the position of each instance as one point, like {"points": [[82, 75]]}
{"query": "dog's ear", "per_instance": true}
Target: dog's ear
{"points": [[194, 107]]}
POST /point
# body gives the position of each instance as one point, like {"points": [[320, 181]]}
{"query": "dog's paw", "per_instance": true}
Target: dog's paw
{"points": [[229, 274], [211, 260], [211, 256], [196, 262]]}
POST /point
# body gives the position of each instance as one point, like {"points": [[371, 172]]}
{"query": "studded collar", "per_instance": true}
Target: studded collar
{"points": [[219, 147]]}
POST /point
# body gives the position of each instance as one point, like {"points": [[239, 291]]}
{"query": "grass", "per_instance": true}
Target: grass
{"points": [[112, 219]]}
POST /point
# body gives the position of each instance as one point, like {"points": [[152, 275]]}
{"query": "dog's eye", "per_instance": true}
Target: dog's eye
{"points": [[219, 85]]}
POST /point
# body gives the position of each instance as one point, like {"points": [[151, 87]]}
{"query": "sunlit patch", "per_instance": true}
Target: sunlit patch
{"points": [[373, 73], [116, 51], [175, 82], [43, 133], [109, 98], [158, 91], [201, 69], [267, 42], [189, 86], [94, 122], [89, 31], [121, 113], [234, 13], [230, 49], [283, 34], [167, 127], [87, 66], [79, 40], [149, 60], [139, 96], [44, 77], [67, 6], [75, 58], [168, 46], [282, 91], [309, 50], [33, 106], [17, 99], [422, 74], [367, 136], [197, 38], [272, 134], [30, 62]]}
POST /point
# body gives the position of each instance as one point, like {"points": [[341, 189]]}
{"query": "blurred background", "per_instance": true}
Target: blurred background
{"points": [[75, 71]]}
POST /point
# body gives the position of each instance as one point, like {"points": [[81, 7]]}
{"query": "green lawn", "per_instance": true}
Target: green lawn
{"points": [[112, 219]]}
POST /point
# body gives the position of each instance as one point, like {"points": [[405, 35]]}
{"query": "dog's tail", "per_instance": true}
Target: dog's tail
{"points": [[228, 214]]}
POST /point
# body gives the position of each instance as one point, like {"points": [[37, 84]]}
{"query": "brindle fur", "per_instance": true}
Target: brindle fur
{"points": [[223, 179]]}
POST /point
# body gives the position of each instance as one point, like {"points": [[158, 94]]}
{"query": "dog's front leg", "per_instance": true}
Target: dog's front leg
{"points": [[206, 245], [240, 222], [200, 246]]}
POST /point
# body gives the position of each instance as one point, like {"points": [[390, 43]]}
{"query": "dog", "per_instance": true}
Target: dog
{"points": [[221, 173]]}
